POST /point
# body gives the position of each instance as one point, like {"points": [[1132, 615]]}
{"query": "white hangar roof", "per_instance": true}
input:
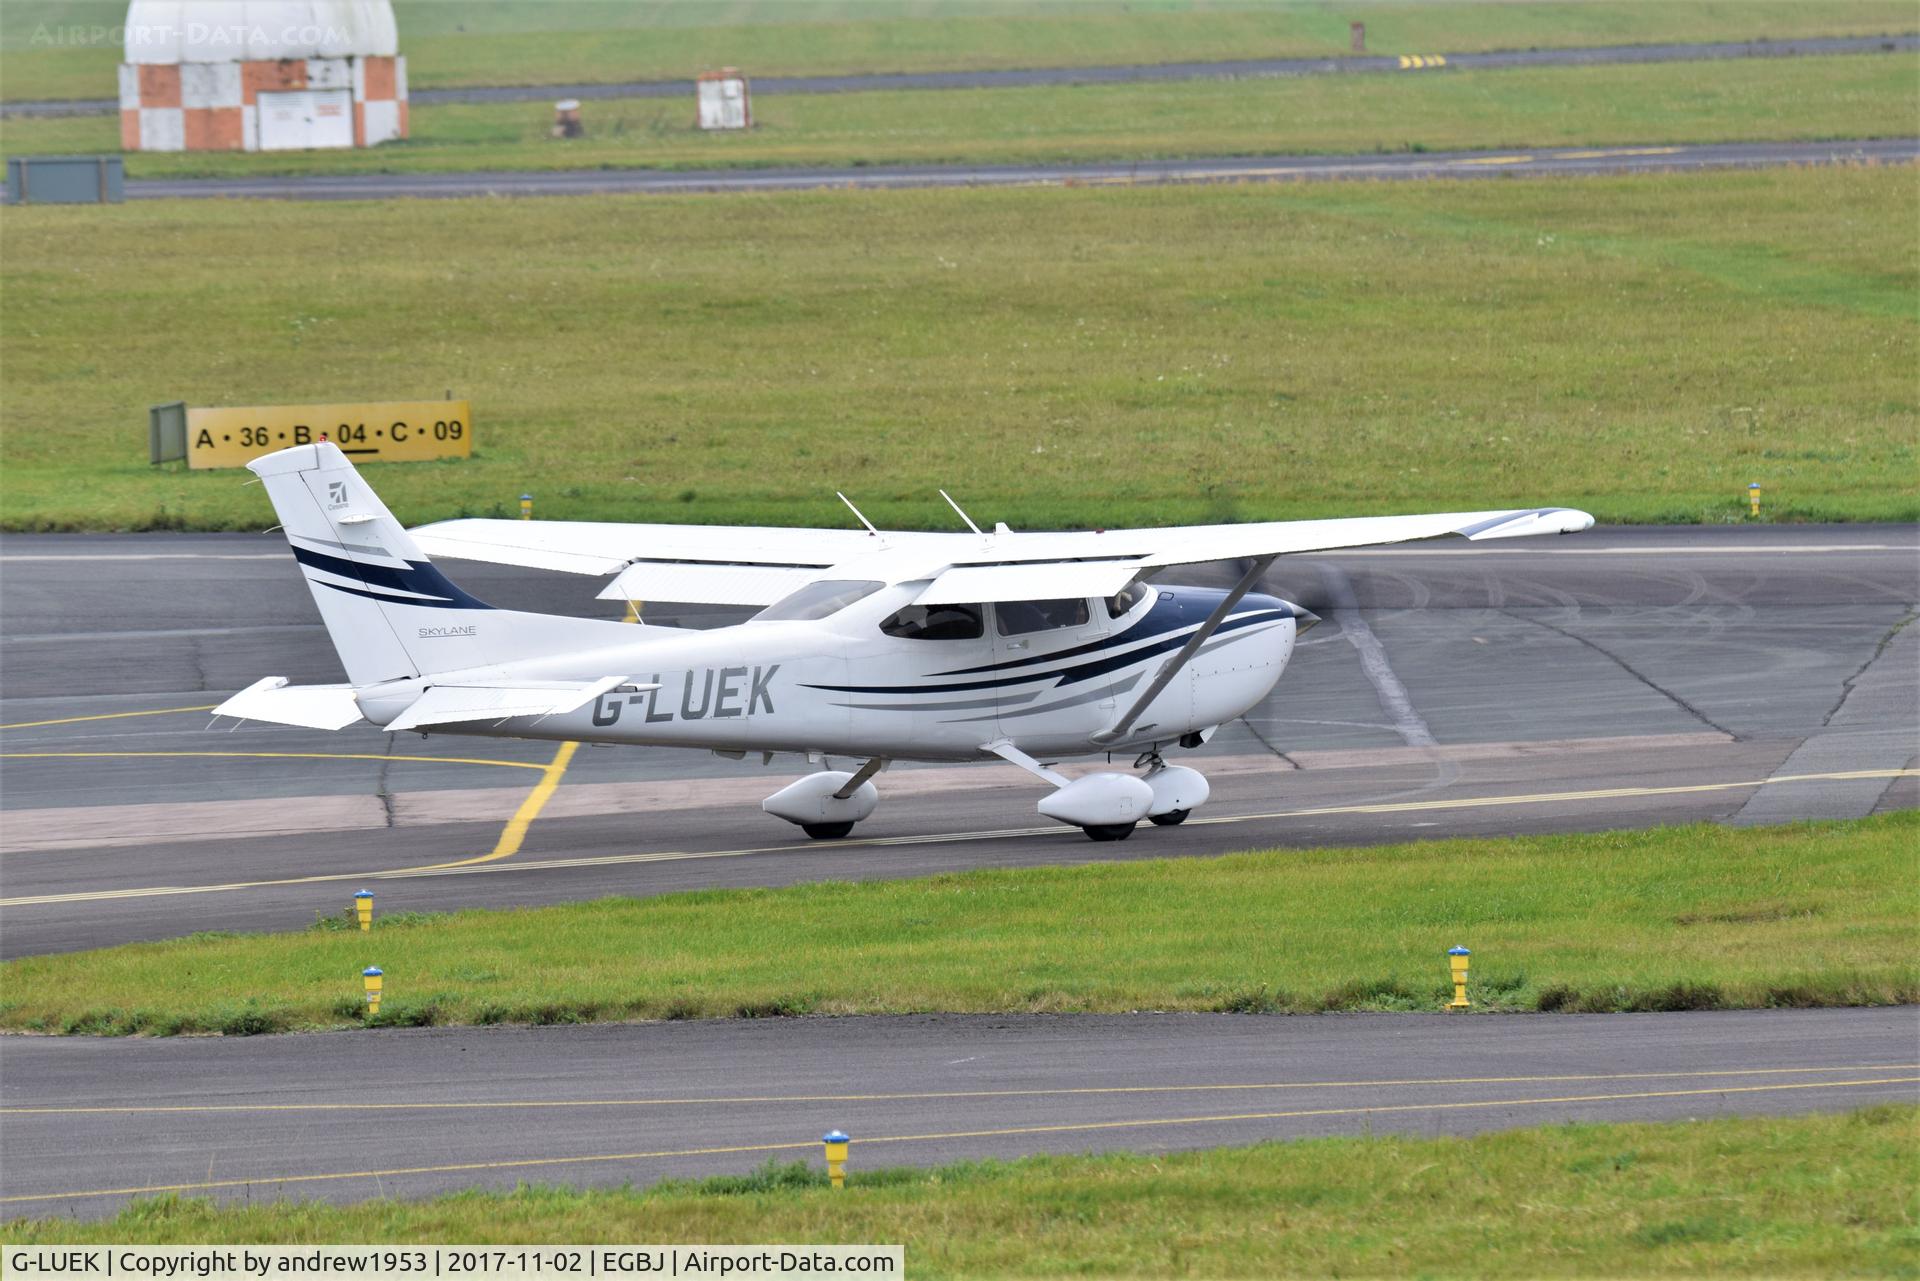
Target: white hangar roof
{"points": [[172, 31]]}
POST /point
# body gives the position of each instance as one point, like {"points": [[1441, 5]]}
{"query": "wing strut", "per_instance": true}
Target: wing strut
{"points": [[1172, 666], [867, 771]]}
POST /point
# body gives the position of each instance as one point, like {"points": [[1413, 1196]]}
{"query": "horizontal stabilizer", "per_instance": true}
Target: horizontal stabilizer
{"points": [[451, 704], [309, 706]]}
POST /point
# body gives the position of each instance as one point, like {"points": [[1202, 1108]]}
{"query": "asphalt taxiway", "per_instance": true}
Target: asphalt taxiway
{"points": [[348, 1116], [1371, 166], [1619, 678]]}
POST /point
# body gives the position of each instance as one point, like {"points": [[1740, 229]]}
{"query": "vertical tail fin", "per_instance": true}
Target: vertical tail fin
{"points": [[390, 613]]}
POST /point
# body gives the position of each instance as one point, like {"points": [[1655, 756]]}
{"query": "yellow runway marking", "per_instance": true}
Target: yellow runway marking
{"points": [[924, 1096], [1615, 152], [472, 866], [107, 716], [516, 830], [1494, 160], [287, 756], [527, 1163]]}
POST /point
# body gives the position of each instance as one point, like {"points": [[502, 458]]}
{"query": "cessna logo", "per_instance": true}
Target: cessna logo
{"points": [[336, 493], [720, 693]]}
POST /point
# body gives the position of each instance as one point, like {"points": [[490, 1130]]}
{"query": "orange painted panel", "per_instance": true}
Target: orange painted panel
{"points": [[379, 77], [271, 77], [130, 131], [213, 128], [159, 84]]}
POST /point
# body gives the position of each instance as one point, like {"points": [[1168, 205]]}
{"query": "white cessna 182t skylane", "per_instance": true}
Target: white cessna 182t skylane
{"points": [[871, 647]]}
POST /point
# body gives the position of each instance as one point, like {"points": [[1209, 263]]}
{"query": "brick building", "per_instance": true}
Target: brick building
{"points": [[261, 75]]}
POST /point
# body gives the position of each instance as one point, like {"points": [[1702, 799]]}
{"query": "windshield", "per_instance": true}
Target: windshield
{"points": [[816, 600]]}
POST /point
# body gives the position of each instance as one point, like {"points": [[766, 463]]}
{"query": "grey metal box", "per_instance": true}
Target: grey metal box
{"points": [[65, 180]]}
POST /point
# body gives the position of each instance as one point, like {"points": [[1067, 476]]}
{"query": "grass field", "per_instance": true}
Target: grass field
{"points": [[1698, 917], [1800, 98], [69, 48], [1641, 347], [1824, 1195]]}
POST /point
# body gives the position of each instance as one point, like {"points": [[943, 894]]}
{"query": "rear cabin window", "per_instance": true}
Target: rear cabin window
{"points": [[935, 622], [1018, 617], [817, 600]]}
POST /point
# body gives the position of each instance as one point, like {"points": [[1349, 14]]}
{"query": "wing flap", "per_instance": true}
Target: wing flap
{"points": [[309, 706], [970, 584], [706, 584], [606, 547]]}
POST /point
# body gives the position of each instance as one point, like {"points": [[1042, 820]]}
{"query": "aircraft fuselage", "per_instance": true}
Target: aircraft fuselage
{"points": [[840, 686]]}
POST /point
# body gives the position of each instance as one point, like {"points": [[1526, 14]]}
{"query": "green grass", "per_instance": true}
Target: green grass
{"points": [[69, 49], [1697, 917], [1823, 1195], [1642, 347], [1802, 98]]}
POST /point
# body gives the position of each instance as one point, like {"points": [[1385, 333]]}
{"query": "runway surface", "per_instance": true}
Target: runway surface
{"points": [[1238, 69], [349, 1116], [1552, 161], [1620, 678]]}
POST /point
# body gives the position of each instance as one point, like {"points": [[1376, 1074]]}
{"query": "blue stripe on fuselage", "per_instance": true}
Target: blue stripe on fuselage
{"points": [[1176, 610]]}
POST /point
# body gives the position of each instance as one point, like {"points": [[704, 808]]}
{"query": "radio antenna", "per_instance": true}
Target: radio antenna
{"points": [[856, 511], [956, 509]]}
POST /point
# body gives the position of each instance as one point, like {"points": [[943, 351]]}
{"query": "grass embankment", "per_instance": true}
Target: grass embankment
{"points": [[69, 48], [1771, 1196], [1675, 918], [1642, 347], [1791, 99]]}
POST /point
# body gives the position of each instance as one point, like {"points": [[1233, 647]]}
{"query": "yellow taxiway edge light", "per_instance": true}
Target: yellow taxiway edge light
{"points": [[1069, 1128]]}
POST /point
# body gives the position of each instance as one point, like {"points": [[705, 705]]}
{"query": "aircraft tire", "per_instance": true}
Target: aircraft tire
{"points": [[1108, 831], [1172, 818], [827, 831]]}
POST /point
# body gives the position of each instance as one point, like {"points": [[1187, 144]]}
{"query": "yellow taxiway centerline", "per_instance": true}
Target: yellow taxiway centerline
{"points": [[928, 1095], [515, 831], [470, 866], [1078, 1127], [107, 716], [290, 756]]}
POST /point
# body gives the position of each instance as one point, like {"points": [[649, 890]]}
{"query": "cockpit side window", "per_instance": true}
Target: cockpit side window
{"points": [[1125, 599], [816, 600], [1018, 617], [935, 622]]}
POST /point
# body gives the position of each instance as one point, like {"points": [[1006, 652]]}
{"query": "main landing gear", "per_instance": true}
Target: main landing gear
{"points": [[826, 805], [1108, 806]]}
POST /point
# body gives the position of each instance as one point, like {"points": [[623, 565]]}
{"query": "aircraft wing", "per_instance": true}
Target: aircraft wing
{"points": [[756, 565]]}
